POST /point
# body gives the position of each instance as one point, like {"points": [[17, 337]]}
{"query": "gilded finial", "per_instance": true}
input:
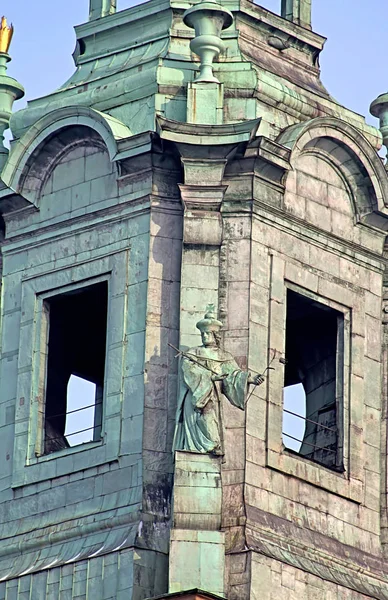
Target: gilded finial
{"points": [[10, 89], [6, 33]]}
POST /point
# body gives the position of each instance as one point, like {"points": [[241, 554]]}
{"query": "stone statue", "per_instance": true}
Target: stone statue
{"points": [[207, 373]]}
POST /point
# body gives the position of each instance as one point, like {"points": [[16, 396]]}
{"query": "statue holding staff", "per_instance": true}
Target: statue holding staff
{"points": [[207, 373]]}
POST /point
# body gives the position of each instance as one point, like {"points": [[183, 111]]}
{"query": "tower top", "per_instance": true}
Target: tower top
{"points": [[6, 33], [101, 8], [297, 11]]}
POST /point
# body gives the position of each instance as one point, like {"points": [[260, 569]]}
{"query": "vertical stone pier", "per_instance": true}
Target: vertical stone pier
{"points": [[197, 544]]}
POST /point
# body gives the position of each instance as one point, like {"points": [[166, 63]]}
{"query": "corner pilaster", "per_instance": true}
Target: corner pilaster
{"points": [[297, 11], [205, 151], [101, 8]]}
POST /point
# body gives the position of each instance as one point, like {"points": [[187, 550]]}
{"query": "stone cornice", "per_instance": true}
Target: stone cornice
{"points": [[207, 135], [194, 594], [33, 237], [24, 555], [276, 23], [312, 234], [348, 570]]}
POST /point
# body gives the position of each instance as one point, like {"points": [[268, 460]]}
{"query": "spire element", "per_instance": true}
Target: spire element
{"points": [[297, 11], [379, 109], [208, 18], [10, 89], [6, 33], [101, 8]]}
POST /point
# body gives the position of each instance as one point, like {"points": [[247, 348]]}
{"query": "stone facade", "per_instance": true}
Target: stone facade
{"points": [[120, 178]]}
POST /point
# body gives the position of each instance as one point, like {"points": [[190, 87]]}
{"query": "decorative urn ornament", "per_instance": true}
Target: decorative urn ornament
{"points": [[208, 19]]}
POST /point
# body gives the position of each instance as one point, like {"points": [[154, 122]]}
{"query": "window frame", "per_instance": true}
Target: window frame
{"points": [[42, 349], [28, 467], [348, 484], [339, 377]]}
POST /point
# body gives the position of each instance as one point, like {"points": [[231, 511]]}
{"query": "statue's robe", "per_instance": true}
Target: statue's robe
{"points": [[199, 411]]}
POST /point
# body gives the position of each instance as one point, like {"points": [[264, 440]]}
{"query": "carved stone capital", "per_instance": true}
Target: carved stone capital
{"points": [[202, 197]]}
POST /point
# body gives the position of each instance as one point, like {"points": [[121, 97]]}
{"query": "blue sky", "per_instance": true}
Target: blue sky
{"points": [[353, 61]]}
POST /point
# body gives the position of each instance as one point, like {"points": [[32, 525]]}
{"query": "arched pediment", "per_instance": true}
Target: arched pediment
{"points": [[348, 153], [34, 155]]}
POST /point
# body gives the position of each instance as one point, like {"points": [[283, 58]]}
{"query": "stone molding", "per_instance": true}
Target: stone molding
{"points": [[71, 545], [311, 234], [207, 135], [345, 574], [195, 594]]}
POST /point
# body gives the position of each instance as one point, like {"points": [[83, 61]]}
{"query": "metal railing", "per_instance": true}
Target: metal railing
{"points": [[70, 412], [320, 425]]}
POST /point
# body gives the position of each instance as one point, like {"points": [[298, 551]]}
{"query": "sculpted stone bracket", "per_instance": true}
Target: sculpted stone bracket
{"points": [[272, 163], [11, 202], [210, 199], [272, 159], [205, 151], [222, 138], [206, 135], [264, 166]]}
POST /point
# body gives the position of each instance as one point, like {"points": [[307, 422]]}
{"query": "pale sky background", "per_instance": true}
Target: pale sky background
{"points": [[353, 64]]}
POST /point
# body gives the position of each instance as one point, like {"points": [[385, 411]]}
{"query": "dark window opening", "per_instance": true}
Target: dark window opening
{"points": [[75, 367], [313, 383]]}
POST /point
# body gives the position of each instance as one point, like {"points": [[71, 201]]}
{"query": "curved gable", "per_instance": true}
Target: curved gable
{"points": [[336, 147], [51, 139]]}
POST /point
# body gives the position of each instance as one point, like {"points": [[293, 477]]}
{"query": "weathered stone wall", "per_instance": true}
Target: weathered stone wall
{"points": [[234, 310], [296, 510], [160, 362], [348, 284], [272, 580], [93, 499]]}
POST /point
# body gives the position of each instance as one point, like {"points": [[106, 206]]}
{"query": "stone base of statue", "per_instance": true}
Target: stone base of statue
{"points": [[197, 546], [205, 102]]}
